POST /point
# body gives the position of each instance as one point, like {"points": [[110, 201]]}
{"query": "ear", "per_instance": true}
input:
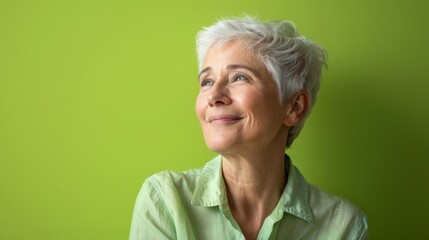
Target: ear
{"points": [[297, 108]]}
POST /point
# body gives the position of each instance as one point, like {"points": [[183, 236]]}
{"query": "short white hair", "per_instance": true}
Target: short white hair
{"points": [[295, 62]]}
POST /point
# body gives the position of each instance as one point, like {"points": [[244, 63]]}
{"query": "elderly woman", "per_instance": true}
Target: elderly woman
{"points": [[258, 82]]}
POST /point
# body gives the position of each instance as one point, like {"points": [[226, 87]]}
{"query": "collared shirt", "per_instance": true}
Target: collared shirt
{"points": [[194, 205]]}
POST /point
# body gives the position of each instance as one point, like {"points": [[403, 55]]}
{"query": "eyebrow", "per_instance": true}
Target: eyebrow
{"points": [[203, 71], [235, 66], [231, 67]]}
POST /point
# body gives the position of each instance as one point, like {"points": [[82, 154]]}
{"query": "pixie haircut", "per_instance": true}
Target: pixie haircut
{"points": [[295, 62]]}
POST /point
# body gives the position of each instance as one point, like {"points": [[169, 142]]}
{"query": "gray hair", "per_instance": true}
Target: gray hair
{"points": [[294, 61]]}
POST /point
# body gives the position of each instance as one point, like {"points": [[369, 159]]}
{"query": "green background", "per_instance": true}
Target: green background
{"points": [[95, 96]]}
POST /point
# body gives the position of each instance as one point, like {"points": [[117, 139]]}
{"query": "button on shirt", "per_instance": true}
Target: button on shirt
{"points": [[194, 205]]}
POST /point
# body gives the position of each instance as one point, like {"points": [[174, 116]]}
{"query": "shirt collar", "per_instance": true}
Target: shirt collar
{"points": [[295, 194], [210, 189], [210, 186]]}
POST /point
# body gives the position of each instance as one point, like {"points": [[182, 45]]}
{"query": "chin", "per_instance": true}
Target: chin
{"points": [[216, 147], [219, 144]]}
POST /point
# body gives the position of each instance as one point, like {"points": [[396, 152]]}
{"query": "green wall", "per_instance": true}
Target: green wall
{"points": [[95, 96]]}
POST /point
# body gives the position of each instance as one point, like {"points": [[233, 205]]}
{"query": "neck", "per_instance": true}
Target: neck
{"points": [[255, 179], [254, 185]]}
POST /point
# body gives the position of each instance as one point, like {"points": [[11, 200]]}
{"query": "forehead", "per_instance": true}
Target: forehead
{"points": [[231, 52]]}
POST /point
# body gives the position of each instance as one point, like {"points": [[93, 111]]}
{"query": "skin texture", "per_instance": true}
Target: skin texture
{"points": [[243, 120]]}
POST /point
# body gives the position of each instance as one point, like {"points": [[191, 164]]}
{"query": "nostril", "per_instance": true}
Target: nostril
{"points": [[218, 95], [218, 99]]}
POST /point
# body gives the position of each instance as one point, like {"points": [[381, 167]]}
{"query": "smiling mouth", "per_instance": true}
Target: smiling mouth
{"points": [[224, 120]]}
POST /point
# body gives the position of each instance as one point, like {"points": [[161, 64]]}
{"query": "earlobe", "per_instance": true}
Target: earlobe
{"points": [[297, 108]]}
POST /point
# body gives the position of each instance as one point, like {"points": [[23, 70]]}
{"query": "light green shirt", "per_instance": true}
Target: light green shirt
{"points": [[194, 205]]}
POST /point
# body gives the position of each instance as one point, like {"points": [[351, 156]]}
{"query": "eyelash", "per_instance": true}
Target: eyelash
{"points": [[238, 75], [210, 82], [206, 82]]}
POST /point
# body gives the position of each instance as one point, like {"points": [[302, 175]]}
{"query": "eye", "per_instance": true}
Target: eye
{"points": [[206, 83], [239, 77]]}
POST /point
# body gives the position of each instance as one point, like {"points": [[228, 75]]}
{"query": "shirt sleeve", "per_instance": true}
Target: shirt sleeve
{"points": [[150, 217], [360, 229]]}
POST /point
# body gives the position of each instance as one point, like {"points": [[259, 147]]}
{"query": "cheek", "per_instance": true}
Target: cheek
{"points": [[251, 102], [263, 108], [199, 107]]}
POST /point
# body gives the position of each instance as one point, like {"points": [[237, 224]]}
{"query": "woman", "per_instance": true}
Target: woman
{"points": [[258, 82]]}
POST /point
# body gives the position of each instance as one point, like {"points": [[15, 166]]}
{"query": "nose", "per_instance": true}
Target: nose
{"points": [[218, 95]]}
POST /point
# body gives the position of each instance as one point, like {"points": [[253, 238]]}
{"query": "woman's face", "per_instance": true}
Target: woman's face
{"points": [[238, 104]]}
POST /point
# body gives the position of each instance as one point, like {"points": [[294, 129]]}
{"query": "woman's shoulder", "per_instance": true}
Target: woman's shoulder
{"points": [[185, 180], [331, 216], [168, 180], [163, 196], [336, 212], [321, 201]]}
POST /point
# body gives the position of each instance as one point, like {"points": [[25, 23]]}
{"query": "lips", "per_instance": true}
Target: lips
{"points": [[223, 119]]}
